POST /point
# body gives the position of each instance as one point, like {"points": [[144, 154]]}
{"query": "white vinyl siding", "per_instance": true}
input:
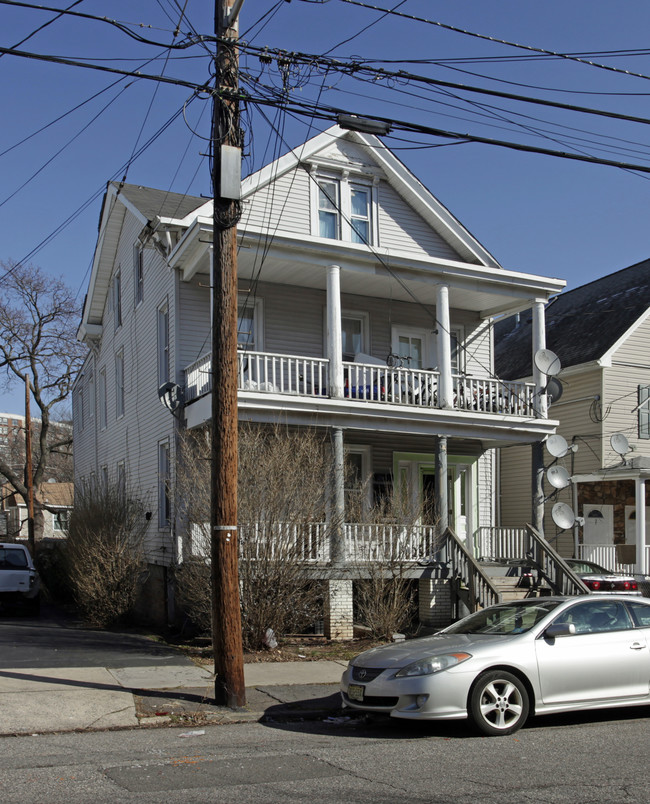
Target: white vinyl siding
{"points": [[282, 205], [402, 229]]}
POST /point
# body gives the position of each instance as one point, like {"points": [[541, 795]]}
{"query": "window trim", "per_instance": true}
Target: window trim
{"points": [[138, 274], [164, 479], [345, 181], [245, 301], [643, 394], [103, 401], [117, 299], [119, 384], [163, 344]]}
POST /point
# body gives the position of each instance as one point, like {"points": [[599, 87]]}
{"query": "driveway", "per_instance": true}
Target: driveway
{"points": [[56, 640]]}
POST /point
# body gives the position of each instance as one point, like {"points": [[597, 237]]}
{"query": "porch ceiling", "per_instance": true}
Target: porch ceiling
{"points": [[400, 276], [491, 430]]}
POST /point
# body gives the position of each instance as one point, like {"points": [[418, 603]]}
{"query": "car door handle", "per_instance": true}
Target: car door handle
{"points": [[637, 646]]}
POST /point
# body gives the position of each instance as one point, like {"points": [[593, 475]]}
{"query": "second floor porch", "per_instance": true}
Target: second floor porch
{"points": [[372, 395]]}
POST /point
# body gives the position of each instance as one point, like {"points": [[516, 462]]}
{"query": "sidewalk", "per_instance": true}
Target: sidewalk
{"points": [[36, 701]]}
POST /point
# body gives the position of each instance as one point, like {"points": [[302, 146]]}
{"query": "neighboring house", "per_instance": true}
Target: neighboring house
{"points": [[601, 334], [338, 231], [59, 497], [12, 445]]}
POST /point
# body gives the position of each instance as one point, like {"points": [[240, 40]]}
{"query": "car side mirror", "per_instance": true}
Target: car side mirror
{"points": [[559, 629]]}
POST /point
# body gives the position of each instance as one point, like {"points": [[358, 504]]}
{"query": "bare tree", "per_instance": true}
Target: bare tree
{"points": [[39, 316], [283, 490]]}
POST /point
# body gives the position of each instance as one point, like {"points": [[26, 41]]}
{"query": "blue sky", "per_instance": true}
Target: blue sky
{"points": [[535, 213]]}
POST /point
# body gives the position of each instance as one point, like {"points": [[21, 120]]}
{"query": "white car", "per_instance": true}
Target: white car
{"points": [[604, 581], [535, 656], [19, 580]]}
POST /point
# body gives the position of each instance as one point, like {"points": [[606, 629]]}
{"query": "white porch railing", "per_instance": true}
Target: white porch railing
{"points": [[309, 543], [605, 555], [493, 396], [408, 543], [265, 372], [500, 542]]}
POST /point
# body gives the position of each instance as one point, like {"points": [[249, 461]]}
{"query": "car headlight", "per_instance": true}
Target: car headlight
{"points": [[432, 664]]}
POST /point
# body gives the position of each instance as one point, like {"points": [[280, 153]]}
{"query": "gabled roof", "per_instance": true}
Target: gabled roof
{"points": [[146, 204], [582, 325], [152, 203], [396, 174]]}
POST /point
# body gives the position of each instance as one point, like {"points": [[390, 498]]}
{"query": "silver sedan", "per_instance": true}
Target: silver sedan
{"points": [[497, 666]]}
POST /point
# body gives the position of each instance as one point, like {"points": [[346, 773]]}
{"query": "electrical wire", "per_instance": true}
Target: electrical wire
{"points": [[497, 40]]}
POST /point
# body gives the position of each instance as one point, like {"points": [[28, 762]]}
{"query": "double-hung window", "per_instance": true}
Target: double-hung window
{"points": [[117, 299], [163, 344], [344, 209], [249, 324], [360, 207], [164, 477], [644, 411], [119, 384], [138, 273], [354, 333], [103, 417], [329, 209]]}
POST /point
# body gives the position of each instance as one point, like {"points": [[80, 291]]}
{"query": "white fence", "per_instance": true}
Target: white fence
{"points": [[265, 372], [605, 555]]}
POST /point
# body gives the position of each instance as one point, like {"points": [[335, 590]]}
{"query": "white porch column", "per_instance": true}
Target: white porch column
{"points": [[541, 412], [336, 524], [334, 338], [539, 342], [443, 348], [640, 525]]}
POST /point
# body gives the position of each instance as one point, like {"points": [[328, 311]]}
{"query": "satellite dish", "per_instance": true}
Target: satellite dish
{"points": [[619, 443], [558, 477], [547, 362], [557, 446], [563, 516], [554, 390]]}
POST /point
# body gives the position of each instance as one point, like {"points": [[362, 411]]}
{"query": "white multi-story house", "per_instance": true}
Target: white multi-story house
{"points": [[365, 308]]}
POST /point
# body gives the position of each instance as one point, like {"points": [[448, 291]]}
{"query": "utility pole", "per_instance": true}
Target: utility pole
{"points": [[29, 476], [226, 187]]}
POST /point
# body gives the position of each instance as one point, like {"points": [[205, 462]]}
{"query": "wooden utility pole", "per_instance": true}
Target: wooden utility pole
{"points": [[226, 184], [29, 470]]}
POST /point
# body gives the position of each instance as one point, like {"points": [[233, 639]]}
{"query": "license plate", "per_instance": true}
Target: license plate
{"points": [[355, 692]]}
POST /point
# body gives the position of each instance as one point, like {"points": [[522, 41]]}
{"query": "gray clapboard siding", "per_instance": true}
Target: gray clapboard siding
{"points": [[401, 228], [283, 205]]}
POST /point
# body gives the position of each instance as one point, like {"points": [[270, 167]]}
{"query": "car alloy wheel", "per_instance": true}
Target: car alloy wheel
{"points": [[498, 703]]}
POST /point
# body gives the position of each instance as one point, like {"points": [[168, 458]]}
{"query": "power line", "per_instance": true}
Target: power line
{"points": [[106, 20], [497, 40], [353, 67], [331, 113]]}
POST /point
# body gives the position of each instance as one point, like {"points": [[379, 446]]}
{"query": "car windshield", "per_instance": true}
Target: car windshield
{"points": [[12, 558], [588, 567], [509, 618]]}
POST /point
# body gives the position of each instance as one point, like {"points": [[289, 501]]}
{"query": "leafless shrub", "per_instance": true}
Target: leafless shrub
{"points": [[282, 492], [104, 553], [385, 597]]}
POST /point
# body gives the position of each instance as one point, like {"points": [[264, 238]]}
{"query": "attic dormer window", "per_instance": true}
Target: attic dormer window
{"points": [[344, 208]]}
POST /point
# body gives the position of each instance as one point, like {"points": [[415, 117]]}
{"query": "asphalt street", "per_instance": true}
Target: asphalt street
{"points": [[577, 760]]}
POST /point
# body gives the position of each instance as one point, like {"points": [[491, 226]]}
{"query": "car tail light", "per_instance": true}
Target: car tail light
{"points": [[629, 586], [593, 585]]}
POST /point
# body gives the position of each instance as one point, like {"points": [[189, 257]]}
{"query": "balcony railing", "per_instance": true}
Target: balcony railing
{"points": [[264, 372]]}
